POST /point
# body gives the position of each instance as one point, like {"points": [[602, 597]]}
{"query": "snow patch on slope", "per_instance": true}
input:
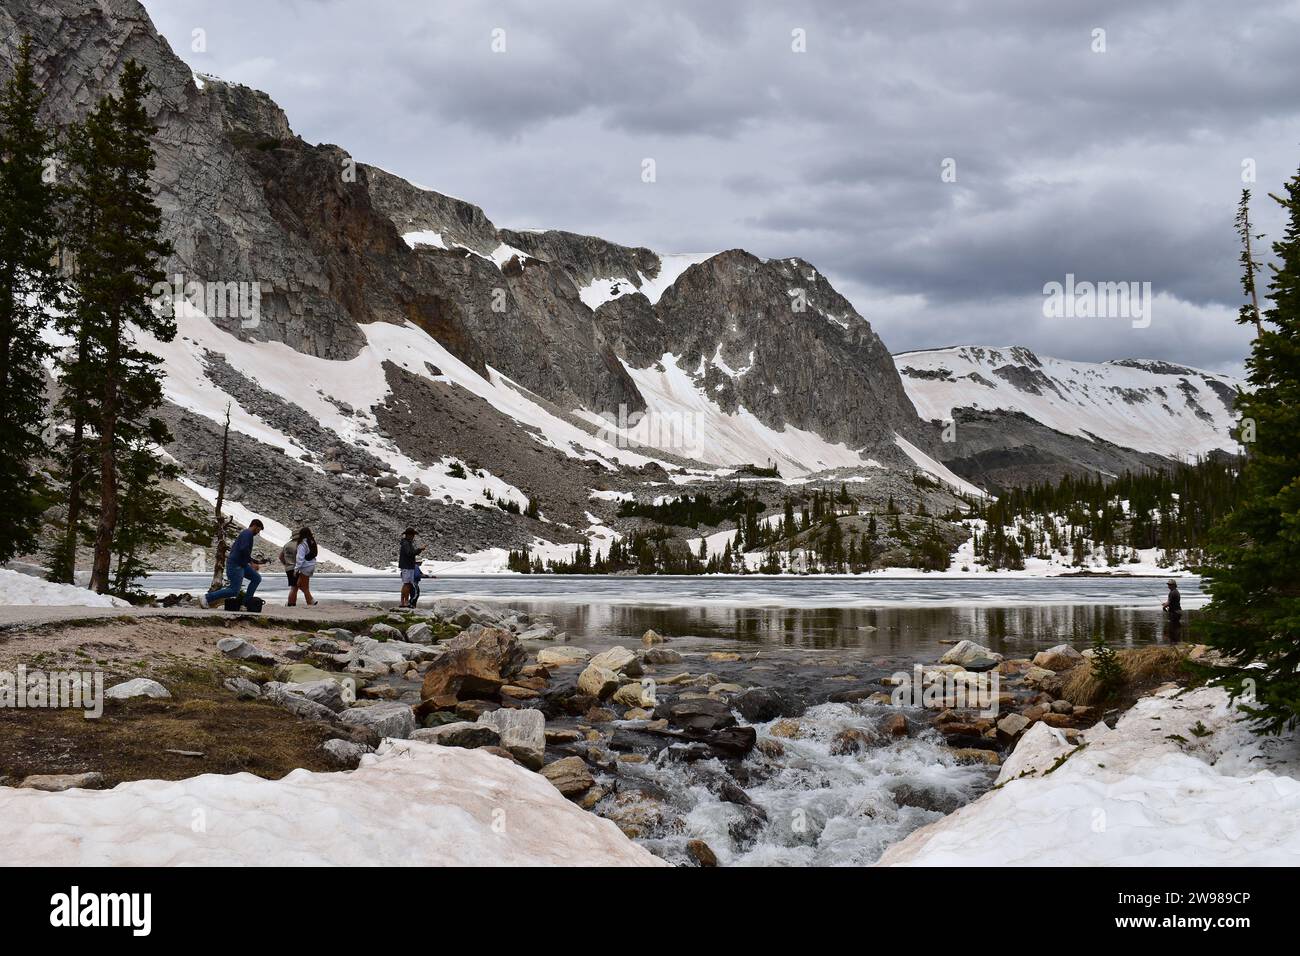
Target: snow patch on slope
{"points": [[683, 419], [425, 237], [316, 385], [938, 470], [499, 256], [409, 804], [599, 291], [1149, 406]]}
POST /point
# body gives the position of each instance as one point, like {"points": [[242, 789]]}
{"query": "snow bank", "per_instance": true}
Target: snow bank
{"points": [[410, 804], [25, 590], [1180, 781]]}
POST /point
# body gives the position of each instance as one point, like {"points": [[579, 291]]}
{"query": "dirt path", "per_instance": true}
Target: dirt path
{"points": [[324, 614]]}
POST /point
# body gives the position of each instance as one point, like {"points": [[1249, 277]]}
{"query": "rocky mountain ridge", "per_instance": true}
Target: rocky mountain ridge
{"points": [[1018, 417]]}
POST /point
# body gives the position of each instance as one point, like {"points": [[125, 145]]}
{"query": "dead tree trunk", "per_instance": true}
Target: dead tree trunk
{"points": [[221, 523]]}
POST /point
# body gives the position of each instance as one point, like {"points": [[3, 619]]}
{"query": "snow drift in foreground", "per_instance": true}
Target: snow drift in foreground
{"points": [[1180, 781], [409, 804], [26, 590]]}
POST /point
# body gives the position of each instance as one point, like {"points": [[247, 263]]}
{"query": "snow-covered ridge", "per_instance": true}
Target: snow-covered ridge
{"points": [[1150, 406]]}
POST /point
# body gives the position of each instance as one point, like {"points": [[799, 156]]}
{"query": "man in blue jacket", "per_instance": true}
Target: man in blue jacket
{"points": [[239, 566]]}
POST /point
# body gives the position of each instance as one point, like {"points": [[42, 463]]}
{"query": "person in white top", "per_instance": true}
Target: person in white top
{"points": [[304, 566]]}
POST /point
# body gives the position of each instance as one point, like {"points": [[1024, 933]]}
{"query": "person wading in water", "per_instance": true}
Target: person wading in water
{"points": [[1174, 608]]}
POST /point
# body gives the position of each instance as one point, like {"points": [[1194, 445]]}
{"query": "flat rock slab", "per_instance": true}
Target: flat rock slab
{"points": [[460, 733], [241, 650], [58, 782], [562, 655], [569, 775], [137, 687], [387, 718]]}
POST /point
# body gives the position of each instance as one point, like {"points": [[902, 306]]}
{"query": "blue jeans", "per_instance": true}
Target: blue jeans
{"points": [[236, 574]]}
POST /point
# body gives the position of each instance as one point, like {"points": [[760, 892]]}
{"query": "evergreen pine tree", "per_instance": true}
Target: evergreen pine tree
{"points": [[147, 512], [118, 253], [1106, 668], [1254, 614], [29, 283]]}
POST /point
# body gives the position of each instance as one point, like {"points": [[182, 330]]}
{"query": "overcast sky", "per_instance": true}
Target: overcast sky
{"points": [[1122, 164]]}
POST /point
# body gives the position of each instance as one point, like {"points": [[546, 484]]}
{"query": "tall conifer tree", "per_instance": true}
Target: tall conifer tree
{"points": [[119, 254], [29, 285], [1254, 574]]}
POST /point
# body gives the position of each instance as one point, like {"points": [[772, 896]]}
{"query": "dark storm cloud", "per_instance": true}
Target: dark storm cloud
{"points": [[1115, 165]]}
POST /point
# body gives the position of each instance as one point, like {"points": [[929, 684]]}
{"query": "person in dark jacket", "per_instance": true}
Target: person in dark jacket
{"points": [[407, 562], [289, 560], [1174, 608], [240, 566]]}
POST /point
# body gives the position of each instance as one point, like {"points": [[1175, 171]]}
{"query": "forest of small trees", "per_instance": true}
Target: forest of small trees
{"points": [[807, 536], [1083, 520]]}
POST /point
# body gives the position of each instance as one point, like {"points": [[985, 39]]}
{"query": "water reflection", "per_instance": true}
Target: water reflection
{"points": [[921, 633]]}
